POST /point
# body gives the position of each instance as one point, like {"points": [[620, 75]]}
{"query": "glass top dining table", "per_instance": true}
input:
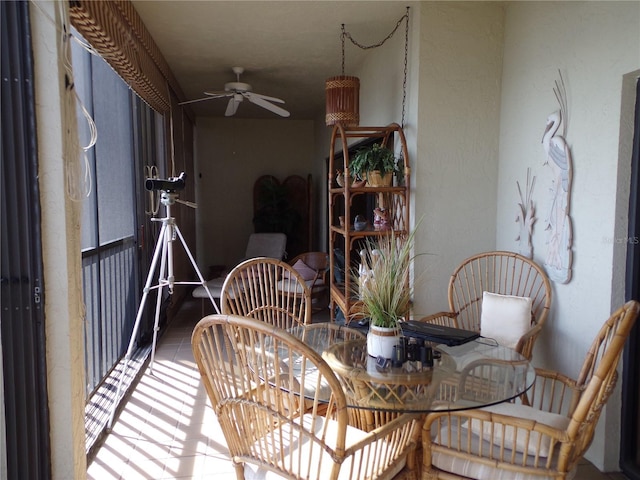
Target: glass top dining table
{"points": [[473, 375]]}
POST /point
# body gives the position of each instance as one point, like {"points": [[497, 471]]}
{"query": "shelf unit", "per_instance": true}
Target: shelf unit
{"points": [[348, 201]]}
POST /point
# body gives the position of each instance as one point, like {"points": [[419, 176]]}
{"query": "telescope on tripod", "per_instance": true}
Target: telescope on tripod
{"points": [[163, 252]]}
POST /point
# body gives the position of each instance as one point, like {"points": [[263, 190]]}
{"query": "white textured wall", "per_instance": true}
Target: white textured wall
{"points": [[322, 138], [456, 168], [451, 126], [594, 44], [231, 154], [481, 81]]}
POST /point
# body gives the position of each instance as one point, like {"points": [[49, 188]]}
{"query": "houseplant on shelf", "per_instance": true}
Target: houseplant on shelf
{"points": [[384, 290], [375, 163]]}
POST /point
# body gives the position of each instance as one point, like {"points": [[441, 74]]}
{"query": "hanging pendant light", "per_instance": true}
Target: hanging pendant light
{"points": [[342, 95], [343, 92], [343, 100]]}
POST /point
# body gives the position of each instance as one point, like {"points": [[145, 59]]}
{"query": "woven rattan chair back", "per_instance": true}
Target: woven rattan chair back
{"points": [[267, 289], [505, 273], [555, 424], [269, 390], [599, 374]]}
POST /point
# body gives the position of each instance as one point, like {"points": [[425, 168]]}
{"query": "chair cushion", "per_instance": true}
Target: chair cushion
{"points": [[214, 285], [286, 286], [525, 412], [314, 458], [505, 318], [266, 245]]}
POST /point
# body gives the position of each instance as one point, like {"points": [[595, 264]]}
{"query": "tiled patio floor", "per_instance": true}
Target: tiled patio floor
{"points": [[168, 429]]}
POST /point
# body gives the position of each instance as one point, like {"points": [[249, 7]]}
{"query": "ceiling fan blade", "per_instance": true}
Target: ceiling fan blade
{"points": [[232, 106], [258, 100], [196, 100], [219, 93], [265, 97]]}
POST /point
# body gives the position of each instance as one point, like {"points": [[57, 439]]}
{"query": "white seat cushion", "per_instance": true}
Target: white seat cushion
{"points": [[505, 318], [214, 285], [525, 412], [287, 286]]}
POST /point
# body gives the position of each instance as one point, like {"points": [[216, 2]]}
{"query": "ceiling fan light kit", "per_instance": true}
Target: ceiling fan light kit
{"points": [[237, 91]]}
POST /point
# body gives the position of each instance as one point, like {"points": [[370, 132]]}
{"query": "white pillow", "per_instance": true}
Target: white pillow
{"points": [[553, 420], [505, 318]]}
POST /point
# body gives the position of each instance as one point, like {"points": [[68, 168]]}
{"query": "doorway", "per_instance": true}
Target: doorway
{"points": [[630, 432]]}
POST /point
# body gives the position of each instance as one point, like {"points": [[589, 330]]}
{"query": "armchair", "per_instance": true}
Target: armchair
{"points": [[244, 364], [314, 267], [259, 245], [545, 434], [267, 289], [509, 279]]}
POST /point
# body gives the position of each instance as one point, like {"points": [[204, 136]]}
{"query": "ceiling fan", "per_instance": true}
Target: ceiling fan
{"points": [[237, 91]]}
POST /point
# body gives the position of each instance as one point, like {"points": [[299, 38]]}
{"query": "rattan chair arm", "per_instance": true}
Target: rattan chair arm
{"points": [[532, 332], [446, 319], [432, 417], [526, 342], [556, 376], [389, 443], [553, 392], [496, 424], [389, 429]]}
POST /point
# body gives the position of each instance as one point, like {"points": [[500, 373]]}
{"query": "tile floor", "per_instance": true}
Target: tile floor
{"points": [[168, 429]]}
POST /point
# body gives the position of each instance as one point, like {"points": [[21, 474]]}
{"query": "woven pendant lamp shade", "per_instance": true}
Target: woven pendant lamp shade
{"points": [[343, 100]]}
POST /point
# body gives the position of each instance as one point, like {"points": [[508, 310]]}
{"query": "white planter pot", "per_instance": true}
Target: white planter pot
{"points": [[380, 341]]}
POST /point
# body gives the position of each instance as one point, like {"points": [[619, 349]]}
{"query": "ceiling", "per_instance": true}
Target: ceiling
{"points": [[287, 48]]}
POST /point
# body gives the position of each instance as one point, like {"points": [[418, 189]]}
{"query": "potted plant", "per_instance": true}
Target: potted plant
{"points": [[384, 290], [375, 163]]}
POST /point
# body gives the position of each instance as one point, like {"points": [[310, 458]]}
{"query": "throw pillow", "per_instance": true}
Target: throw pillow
{"points": [[304, 270], [505, 318]]}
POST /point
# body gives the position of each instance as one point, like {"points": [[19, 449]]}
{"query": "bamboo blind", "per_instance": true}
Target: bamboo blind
{"points": [[117, 32]]}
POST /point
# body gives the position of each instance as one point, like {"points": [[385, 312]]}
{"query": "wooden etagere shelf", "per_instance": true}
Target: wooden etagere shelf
{"points": [[347, 201]]}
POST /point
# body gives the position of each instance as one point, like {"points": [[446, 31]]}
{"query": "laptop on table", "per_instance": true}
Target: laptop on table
{"points": [[430, 332]]}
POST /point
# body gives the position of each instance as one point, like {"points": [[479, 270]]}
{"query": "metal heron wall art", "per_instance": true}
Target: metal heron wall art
{"points": [[558, 224]]}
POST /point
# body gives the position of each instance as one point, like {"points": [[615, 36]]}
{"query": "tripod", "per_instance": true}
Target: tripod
{"points": [[164, 251]]}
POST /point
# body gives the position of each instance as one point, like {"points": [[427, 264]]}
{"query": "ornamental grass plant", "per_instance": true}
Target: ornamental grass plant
{"points": [[383, 279]]}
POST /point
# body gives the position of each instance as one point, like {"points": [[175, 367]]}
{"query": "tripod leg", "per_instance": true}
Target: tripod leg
{"points": [[167, 257], [147, 287], [195, 267]]}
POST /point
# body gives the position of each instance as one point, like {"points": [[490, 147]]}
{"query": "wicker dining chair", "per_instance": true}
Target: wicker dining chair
{"points": [[541, 436], [256, 377], [512, 277], [267, 289]]}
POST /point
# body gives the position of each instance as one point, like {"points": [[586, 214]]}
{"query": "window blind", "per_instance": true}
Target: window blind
{"points": [[117, 32]]}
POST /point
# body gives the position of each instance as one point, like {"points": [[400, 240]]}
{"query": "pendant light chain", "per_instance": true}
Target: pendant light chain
{"points": [[405, 17], [342, 38], [406, 55], [382, 42]]}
